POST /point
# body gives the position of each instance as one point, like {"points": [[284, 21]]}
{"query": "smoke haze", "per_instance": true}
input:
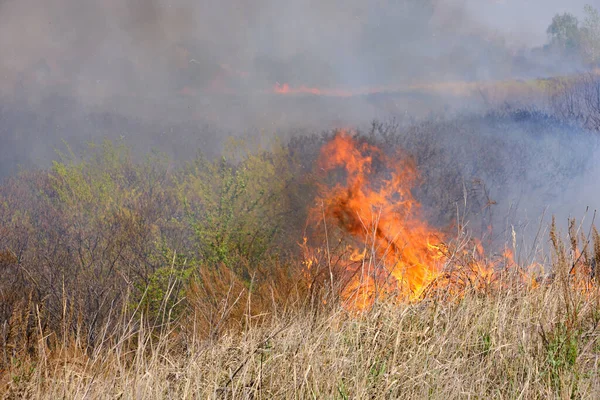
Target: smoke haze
{"points": [[152, 70], [159, 49]]}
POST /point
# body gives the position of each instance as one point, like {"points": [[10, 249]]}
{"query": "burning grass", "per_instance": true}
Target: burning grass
{"points": [[127, 280], [366, 201]]}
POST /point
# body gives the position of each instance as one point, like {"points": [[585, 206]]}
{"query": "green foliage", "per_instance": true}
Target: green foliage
{"points": [[93, 227], [572, 38], [342, 390], [377, 371], [485, 345], [162, 298], [562, 348], [235, 209], [96, 180], [105, 228], [564, 32]]}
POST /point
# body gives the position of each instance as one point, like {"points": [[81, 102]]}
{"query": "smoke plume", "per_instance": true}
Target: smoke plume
{"points": [[181, 74]]}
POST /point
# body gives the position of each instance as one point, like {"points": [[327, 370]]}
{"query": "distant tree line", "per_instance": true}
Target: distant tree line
{"points": [[570, 37]]}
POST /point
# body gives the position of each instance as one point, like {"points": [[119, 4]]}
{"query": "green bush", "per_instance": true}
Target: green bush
{"points": [[236, 208]]}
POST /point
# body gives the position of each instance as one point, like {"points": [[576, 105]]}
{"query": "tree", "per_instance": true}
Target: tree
{"points": [[590, 32], [564, 34]]}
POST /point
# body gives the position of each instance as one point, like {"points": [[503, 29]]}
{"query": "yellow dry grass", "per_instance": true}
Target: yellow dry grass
{"points": [[515, 343]]}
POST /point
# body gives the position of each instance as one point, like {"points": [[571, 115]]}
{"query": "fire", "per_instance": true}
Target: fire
{"points": [[287, 89], [396, 252], [453, 88], [385, 216]]}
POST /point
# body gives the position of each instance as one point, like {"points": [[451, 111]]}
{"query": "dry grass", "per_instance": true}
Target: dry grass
{"points": [[283, 333], [515, 343]]}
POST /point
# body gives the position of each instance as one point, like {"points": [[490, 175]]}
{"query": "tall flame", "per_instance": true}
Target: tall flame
{"points": [[406, 254], [383, 214]]}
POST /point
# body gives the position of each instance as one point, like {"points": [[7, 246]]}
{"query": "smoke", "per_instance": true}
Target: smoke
{"points": [[155, 65], [156, 48], [522, 22], [501, 174]]}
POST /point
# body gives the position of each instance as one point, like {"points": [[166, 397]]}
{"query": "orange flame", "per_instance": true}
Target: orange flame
{"points": [[385, 215], [284, 88], [287, 89], [450, 88], [406, 254]]}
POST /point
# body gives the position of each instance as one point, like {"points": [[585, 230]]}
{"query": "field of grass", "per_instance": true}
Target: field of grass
{"points": [[242, 276], [517, 343]]}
